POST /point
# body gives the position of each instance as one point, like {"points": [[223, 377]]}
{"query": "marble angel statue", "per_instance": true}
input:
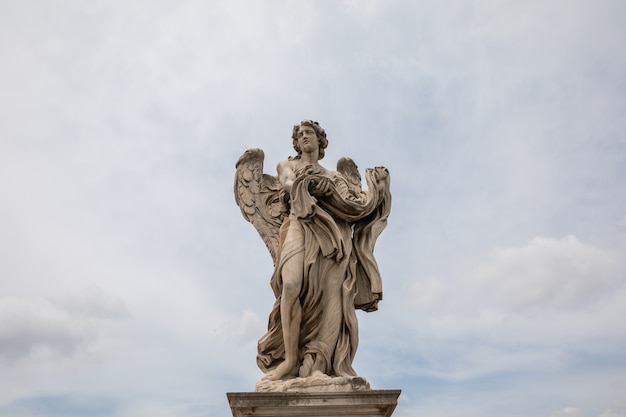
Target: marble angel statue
{"points": [[320, 228]]}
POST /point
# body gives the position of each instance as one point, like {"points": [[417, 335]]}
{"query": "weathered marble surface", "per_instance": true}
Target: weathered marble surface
{"points": [[316, 383], [320, 227], [372, 403]]}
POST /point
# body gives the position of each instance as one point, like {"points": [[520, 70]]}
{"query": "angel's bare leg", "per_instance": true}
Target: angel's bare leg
{"points": [[291, 316]]}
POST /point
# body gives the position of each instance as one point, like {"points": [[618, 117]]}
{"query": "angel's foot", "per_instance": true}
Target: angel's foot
{"points": [[283, 371], [312, 365]]}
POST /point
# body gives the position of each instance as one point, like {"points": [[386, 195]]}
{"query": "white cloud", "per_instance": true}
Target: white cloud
{"points": [[49, 329], [501, 123], [569, 412], [613, 413], [428, 295], [618, 406], [29, 326], [92, 302], [548, 272], [501, 316]]}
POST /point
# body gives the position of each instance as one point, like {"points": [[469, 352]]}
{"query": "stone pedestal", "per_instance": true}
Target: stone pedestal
{"points": [[366, 403]]}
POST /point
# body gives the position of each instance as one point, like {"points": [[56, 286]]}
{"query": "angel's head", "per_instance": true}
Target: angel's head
{"points": [[319, 132]]}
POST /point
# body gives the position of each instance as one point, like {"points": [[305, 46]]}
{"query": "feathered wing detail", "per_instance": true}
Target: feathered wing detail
{"points": [[261, 199], [349, 170]]}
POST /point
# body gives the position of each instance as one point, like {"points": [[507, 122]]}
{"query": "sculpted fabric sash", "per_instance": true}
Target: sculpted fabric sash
{"points": [[368, 214]]}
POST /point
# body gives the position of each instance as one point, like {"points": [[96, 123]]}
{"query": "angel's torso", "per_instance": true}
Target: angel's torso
{"points": [[289, 169]]}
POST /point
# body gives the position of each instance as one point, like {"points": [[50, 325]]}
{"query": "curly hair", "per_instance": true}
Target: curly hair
{"points": [[321, 136]]}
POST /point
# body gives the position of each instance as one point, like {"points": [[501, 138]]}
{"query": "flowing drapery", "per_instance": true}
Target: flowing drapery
{"points": [[336, 233]]}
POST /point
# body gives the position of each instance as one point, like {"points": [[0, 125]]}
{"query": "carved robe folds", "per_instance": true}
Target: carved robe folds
{"points": [[337, 233]]}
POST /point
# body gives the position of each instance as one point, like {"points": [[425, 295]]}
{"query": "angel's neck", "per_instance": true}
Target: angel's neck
{"points": [[309, 159]]}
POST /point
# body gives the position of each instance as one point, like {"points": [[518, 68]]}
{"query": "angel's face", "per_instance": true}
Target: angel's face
{"points": [[307, 139]]}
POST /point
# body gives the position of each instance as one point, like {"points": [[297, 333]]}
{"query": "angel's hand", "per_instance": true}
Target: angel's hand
{"points": [[381, 173], [321, 186]]}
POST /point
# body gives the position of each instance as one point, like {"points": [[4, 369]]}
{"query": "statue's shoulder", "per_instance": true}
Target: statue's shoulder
{"points": [[285, 163], [291, 163]]}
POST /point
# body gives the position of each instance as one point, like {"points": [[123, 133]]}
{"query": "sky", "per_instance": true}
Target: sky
{"points": [[131, 285]]}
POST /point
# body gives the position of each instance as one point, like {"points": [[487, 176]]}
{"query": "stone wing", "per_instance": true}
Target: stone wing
{"points": [[261, 199], [349, 170]]}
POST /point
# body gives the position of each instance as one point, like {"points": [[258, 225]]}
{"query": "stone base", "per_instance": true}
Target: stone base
{"points": [[316, 383], [362, 403]]}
